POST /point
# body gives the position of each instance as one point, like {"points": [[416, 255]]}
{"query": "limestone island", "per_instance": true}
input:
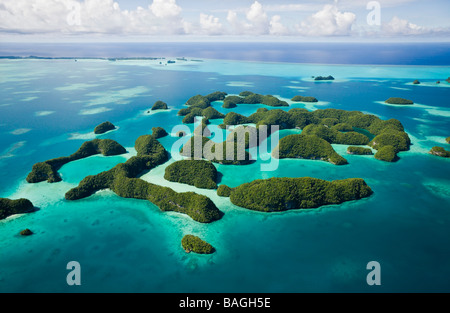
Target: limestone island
{"points": [[48, 170], [304, 99], [159, 132], [282, 194], [416, 82], [399, 101], [123, 180], [10, 207], [317, 78], [359, 151], [248, 97], [439, 151], [26, 232], [447, 139], [191, 243], [160, 105], [198, 173], [386, 153], [104, 127]]}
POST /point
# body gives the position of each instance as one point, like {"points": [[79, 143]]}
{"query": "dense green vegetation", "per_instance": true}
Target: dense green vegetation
{"points": [[191, 243], [439, 151], [48, 170], [198, 173], [203, 148], [304, 99], [333, 125], [201, 106], [231, 102], [122, 180], [159, 132], [160, 105], [399, 101], [10, 207], [281, 194], [359, 151], [416, 82], [248, 97], [224, 191], [447, 139], [104, 127], [307, 147], [324, 78], [386, 153]]}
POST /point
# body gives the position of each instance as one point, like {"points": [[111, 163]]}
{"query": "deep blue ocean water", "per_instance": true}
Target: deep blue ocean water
{"points": [[48, 108]]}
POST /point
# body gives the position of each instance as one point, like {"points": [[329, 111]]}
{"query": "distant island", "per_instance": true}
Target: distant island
{"points": [[304, 99], [399, 101], [48, 170], [324, 78], [248, 97], [447, 139], [282, 194], [160, 105], [439, 151], [416, 82], [10, 207], [104, 127], [191, 243]]}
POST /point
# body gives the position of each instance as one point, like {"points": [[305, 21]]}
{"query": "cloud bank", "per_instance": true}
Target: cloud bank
{"points": [[166, 18]]}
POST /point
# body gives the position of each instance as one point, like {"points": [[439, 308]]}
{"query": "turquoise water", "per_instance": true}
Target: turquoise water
{"points": [[48, 108]]}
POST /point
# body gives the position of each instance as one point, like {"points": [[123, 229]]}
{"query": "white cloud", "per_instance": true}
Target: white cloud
{"points": [[90, 16], [398, 26], [328, 22], [210, 25], [276, 27]]}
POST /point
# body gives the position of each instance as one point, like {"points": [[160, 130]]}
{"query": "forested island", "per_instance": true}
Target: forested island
{"points": [[304, 99], [198, 173], [48, 170], [282, 194], [399, 101], [191, 243], [439, 151], [329, 77], [10, 207], [122, 179], [160, 105], [103, 128], [359, 151]]}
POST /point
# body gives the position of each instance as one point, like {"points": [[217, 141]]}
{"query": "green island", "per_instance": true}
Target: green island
{"points": [[248, 97], [307, 147], [416, 82], [333, 125], [399, 101], [103, 128], [159, 105], [198, 173], [10, 207], [224, 191], [122, 179], [26, 232], [329, 77], [304, 99], [386, 153], [447, 139], [282, 194], [359, 151], [159, 132], [439, 151], [191, 243], [48, 170]]}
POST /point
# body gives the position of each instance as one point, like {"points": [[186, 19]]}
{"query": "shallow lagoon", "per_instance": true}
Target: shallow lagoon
{"points": [[131, 246]]}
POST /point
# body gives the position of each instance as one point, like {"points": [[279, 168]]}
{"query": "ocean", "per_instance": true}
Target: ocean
{"points": [[50, 105]]}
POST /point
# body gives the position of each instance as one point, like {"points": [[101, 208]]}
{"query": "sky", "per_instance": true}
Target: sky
{"points": [[223, 20]]}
